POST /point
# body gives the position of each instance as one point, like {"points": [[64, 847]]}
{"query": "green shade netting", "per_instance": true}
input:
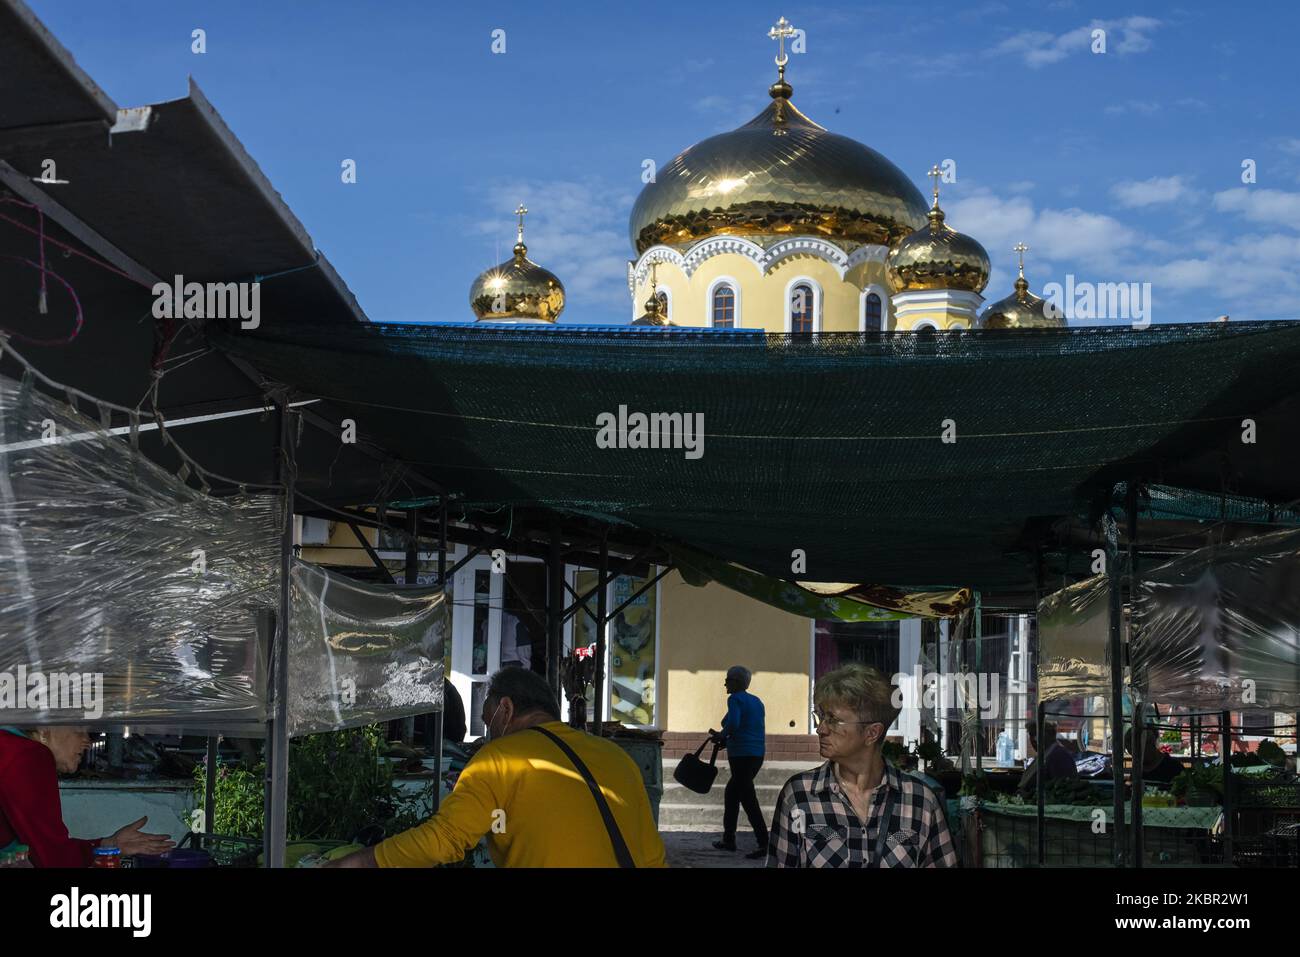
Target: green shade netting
{"points": [[830, 444]]}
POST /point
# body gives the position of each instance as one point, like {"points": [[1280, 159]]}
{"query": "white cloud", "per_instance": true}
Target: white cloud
{"points": [[1145, 107], [1094, 240], [1157, 189], [1260, 205], [1039, 48], [577, 230]]}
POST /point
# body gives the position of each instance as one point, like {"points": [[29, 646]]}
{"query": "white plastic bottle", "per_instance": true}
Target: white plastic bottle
{"points": [[1006, 750]]}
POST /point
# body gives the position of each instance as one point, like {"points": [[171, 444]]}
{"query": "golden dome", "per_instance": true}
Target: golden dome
{"points": [[654, 306], [1022, 309], [936, 256], [779, 174], [654, 314], [518, 290]]}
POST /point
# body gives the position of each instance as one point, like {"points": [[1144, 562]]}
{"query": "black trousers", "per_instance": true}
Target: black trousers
{"points": [[740, 791]]}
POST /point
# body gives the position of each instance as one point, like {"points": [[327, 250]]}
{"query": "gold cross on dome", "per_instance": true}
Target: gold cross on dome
{"points": [[521, 212], [1021, 248], [778, 33], [935, 174]]}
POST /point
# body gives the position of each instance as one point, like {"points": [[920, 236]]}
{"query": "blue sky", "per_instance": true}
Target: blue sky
{"points": [[1115, 167]]}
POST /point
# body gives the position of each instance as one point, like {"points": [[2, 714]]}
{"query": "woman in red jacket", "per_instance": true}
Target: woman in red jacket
{"points": [[30, 810]]}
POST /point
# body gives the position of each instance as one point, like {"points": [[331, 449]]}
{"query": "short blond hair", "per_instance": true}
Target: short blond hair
{"points": [[862, 689]]}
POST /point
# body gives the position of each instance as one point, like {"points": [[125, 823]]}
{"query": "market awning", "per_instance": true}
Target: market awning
{"points": [[830, 447]]}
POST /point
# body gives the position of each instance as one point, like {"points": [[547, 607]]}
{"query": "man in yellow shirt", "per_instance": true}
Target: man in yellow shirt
{"points": [[523, 790]]}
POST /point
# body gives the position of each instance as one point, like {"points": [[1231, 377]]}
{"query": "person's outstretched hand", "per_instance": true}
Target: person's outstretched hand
{"points": [[362, 858], [131, 840]]}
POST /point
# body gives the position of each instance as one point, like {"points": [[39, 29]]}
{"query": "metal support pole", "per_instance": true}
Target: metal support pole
{"points": [[277, 814], [266, 636], [411, 577], [979, 658], [554, 607], [210, 784], [1116, 684], [1138, 755], [1139, 725], [446, 593], [1040, 789], [372, 554], [1225, 751], [602, 606], [1040, 781]]}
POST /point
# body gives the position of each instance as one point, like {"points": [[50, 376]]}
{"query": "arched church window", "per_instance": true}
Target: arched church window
{"points": [[663, 304], [873, 314], [801, 308], [724, 307]]}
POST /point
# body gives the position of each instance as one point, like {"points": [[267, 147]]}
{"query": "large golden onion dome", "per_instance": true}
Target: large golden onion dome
{"points": [[1022, 309], [518, 290], [779, 174], [936, 256]]}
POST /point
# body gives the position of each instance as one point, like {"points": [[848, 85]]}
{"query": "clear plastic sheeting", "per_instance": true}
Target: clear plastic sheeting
{"points": [[1219, 628], [121, 584], [361, 653], [1074, 641]]}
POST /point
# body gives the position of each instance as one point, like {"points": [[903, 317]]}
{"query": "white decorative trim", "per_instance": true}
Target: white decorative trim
{"points": [[764, 260], [638, 272], [924, 324], [867, 254], [883, 294], [817, 301], [706, 249], [806, 245], [708, 299]]}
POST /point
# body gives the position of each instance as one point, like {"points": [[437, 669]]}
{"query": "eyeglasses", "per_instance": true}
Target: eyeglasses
{"points": [[822, 718]]}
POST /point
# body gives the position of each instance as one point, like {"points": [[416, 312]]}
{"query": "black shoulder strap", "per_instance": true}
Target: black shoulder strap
{"points": [[621, 853]]}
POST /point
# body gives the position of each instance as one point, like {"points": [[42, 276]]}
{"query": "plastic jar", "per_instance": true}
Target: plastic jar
{"points": [[107, 857]]}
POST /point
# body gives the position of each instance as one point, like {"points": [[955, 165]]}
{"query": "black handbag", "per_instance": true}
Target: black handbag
{"points": [[693, 774]]}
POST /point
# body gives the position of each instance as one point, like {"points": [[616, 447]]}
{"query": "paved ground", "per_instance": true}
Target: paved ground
{"points": [[695, 849]]}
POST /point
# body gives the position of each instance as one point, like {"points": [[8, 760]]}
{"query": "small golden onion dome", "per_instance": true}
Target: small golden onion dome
{"points": [[936, 256], [779, 174], [654, 313], [518, 290], [1021, 310]]}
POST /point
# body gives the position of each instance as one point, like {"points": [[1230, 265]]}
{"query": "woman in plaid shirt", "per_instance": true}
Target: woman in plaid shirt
{"points": [[856, 810]]}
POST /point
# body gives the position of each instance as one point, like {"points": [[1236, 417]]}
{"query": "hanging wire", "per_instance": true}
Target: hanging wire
{"points": [[189, 466], [80, 317]]}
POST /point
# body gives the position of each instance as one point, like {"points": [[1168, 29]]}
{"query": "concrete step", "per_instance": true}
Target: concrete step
{"points": [[674, 793], [702, 817], [775, 772], [684, 810]]}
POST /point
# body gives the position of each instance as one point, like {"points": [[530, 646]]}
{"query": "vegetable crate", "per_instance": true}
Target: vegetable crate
{"points": [[226, 850], [996, 840]]}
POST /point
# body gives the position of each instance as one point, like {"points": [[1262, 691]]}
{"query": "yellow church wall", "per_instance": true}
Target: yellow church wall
{"points": [[704, 631], [342, 547], [762, 297], [941, 319]]}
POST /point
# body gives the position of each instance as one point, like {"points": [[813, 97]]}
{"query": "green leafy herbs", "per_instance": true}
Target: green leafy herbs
{"points": [[338, 784], [1201, 778], [1077, 791]]}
